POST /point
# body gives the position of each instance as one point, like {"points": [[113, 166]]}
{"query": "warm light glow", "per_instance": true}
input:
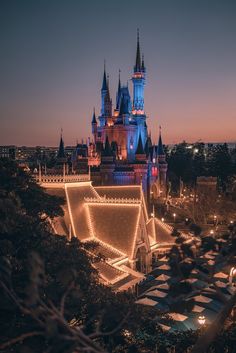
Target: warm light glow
{"points": [[202, 320], [163, 219], [211, 231], [232, 273]]}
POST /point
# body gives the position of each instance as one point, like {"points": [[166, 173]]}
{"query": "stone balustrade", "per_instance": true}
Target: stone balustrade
{"points": [[112, 200], [59, 178]]}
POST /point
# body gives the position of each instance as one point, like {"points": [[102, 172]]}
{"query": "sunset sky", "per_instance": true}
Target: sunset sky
{"points": [[51, 66]]}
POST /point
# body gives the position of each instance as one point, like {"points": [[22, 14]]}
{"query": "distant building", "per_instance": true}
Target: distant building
{"points": [[206, 184], [8, 151]]}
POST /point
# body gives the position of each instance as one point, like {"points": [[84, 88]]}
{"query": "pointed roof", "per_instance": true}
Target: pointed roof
{"points": [[148, 145], [61, 151], [94, 121], [104, 82], [137, 67], [160, 149], [143, 67], [108, 91], [119, 84], [140, 149], [107, 150], [124, 106], [118, 94]]}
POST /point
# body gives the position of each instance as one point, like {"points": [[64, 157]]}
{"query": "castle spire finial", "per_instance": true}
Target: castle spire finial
{"points": [[137, 67]]}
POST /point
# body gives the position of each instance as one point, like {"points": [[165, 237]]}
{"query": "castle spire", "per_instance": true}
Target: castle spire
{"points": [[94, 121], [61, 150], [104, 82], [138, 79], [118, 94], [119, 84], [160, 149], [137, 67]]}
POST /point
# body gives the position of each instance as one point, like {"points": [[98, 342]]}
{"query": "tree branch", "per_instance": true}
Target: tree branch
{"points": [[20, 338]]}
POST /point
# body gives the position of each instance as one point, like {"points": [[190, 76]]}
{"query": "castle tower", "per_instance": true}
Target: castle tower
{"points": [[140, 165], [107, 102], [138, 79]]}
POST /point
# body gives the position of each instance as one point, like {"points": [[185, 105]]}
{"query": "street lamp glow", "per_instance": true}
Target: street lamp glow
{"points": [[232, 273], [174, 215], [202, 320]]}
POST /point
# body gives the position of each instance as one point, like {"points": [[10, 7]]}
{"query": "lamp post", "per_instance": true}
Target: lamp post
{"points": [[201, 320], [215, 220], [232, 273]]}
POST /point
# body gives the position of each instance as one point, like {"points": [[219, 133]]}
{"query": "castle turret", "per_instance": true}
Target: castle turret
{"points": [[103, 91], [138, 79], [107, 102], [61, 150], [94, 126]]}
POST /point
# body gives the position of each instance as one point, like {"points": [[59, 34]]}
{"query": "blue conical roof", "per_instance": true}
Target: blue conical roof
{"points": [[94, 121], [104, 82], [140, 149], [138, 64]]}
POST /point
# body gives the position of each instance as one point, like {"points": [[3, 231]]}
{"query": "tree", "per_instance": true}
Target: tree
{"points": [[51, 298]]}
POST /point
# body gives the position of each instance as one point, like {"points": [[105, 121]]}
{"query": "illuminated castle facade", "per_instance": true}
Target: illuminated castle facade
{"points": [[122, 152]]}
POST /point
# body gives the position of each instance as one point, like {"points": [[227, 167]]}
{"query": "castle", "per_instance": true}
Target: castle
{"points": [[122, 152], [108, 186]]}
